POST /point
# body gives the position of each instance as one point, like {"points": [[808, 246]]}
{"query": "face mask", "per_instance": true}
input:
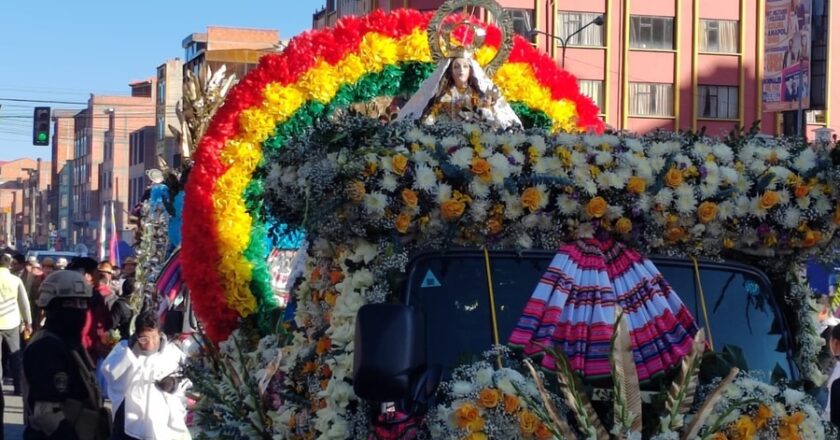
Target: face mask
{"points": [[67, 322]]}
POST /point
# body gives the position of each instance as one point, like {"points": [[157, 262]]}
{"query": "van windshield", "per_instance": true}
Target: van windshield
{"points": [[451, 291]]}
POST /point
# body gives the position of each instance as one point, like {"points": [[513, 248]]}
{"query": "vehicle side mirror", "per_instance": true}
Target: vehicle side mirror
{"points": [[389, 352]]}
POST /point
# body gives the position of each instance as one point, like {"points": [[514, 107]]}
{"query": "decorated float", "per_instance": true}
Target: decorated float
{"points": [[482, 260]]}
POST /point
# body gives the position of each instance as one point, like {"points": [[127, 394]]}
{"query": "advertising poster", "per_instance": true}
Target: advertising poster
{"points": [[787, 55]]}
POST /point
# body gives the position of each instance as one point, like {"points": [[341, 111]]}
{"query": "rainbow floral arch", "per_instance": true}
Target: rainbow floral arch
{"points": [[225, 226]]}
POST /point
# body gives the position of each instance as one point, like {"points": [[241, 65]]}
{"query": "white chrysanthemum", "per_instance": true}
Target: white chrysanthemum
{"points": [[531, 221], [657, 163], [781, 174], [658, 149], [517, 157], [462, 157], [375, 204], [821, 204], [726, 210], [425, 180], [479, 189], [791, 217], [701, 150], [614, 211], [592, 140], [803, 202], [567, 139], [743, 185], [548, 165], [742, 206], [450, 141], [781, 153], [683, 161], [484, 377], [585, 230], [643, 204], [756, 166], [644, 170], [793, 397], [634, 144], [603, 180], [784, 197], [537, 142], [471, 128], [443, 192], [578, 159], [686, 203], [423, 157], [747, 152], [513, 206], [500, 168], [756, 209], [524, 241], [615, 180], [568, 205], [664, 197], [728, 175], [428, 140], [806, 160], [479, 209], [708, 189], [590, 188], [723, 152], [603, 157], [489, 139], [414, 135], [389, 182]]}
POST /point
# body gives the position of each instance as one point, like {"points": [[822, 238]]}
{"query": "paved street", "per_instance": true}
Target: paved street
{"points": [[13, 415]]}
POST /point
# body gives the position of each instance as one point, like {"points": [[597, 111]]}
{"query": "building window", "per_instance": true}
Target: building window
{"points": [[719, 36], [651, 32], [176, 161], [717, 102], [64, 200], [594, 89], [815, 117], [63, 222], [161, 91], [569, 22], [651, 99], [523, 21], [160, 127]]}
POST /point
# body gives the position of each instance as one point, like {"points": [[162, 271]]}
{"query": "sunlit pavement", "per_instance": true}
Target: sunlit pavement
{"points": [[13, 415]]}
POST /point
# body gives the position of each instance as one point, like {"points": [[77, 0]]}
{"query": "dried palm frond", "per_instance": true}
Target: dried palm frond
{"points": [[681, 394], [559, 424], [708, 406], [575, 397], [627, 406]]}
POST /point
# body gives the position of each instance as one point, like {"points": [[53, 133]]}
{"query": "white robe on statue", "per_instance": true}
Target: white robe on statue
{"points": [[149, 412]]}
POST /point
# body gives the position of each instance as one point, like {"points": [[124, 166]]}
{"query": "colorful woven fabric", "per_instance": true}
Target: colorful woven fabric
{"points": [[573, 309]]}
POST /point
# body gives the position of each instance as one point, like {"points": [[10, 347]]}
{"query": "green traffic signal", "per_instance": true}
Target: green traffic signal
{"points": [[42, 137]]}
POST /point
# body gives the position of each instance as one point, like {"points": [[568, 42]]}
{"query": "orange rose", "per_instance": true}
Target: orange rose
{"points": [[356, 191], [728, 243], [494, 226], [402, 222], [674, 178], [468, 417], [511, 403], [596, 207], [489, 397], [370, 168], [744, 428], [801, 191], [336, 276], [481, 168], [452, 209], [769, 199], [409, 197], [543, 433], [811, 238], [636, 185], [531, 199], [476, 436], [624, 225], [528, 422], [674, 233], [706, 212], [399, 162], [323, 345], [718, 436], [762, 416]]}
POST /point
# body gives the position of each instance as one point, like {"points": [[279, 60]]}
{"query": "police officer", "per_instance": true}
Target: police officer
{"points": [[61, 396]]}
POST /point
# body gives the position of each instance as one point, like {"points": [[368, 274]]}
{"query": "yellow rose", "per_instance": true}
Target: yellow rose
{"points": [[409, 197], [452, 209], [596, 207], [399, 162], [674, 178], [769, 199], [481, 168], [728, 243], [466, 414], [402, 222], [624, 225], [511, 403], [636, 185], [489, 397], [370, 168], [811, 238], [718, 436], [763, 416], [706, 212], [476, 436], [528, 422], [356, 191], [531, 199], [674, 232], [744, 428], [801, 191], [494, 226]]}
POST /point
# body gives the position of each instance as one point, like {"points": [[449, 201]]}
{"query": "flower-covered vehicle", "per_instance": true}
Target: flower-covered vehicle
{"points": [[395, 140]]}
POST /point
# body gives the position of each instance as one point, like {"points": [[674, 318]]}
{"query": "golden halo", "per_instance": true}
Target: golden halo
{"points": [[437, 30]]}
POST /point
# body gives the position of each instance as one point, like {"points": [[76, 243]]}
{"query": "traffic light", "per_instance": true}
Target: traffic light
{"points": [[41, 126]]}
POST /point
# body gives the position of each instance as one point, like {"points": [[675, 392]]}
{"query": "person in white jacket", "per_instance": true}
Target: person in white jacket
{"points": [[143, 383]]}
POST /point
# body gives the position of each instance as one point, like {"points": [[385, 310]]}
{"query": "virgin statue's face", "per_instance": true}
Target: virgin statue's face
{"points": [[460, 71]]}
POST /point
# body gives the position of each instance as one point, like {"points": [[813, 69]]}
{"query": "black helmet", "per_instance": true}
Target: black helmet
{"points": [[63, 284]]}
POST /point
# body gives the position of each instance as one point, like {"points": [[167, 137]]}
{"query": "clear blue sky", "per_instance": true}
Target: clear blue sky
{"points": [[65, 50]]}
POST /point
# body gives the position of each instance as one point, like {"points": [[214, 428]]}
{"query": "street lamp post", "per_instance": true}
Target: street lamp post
{"points": [[598, 21]]}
